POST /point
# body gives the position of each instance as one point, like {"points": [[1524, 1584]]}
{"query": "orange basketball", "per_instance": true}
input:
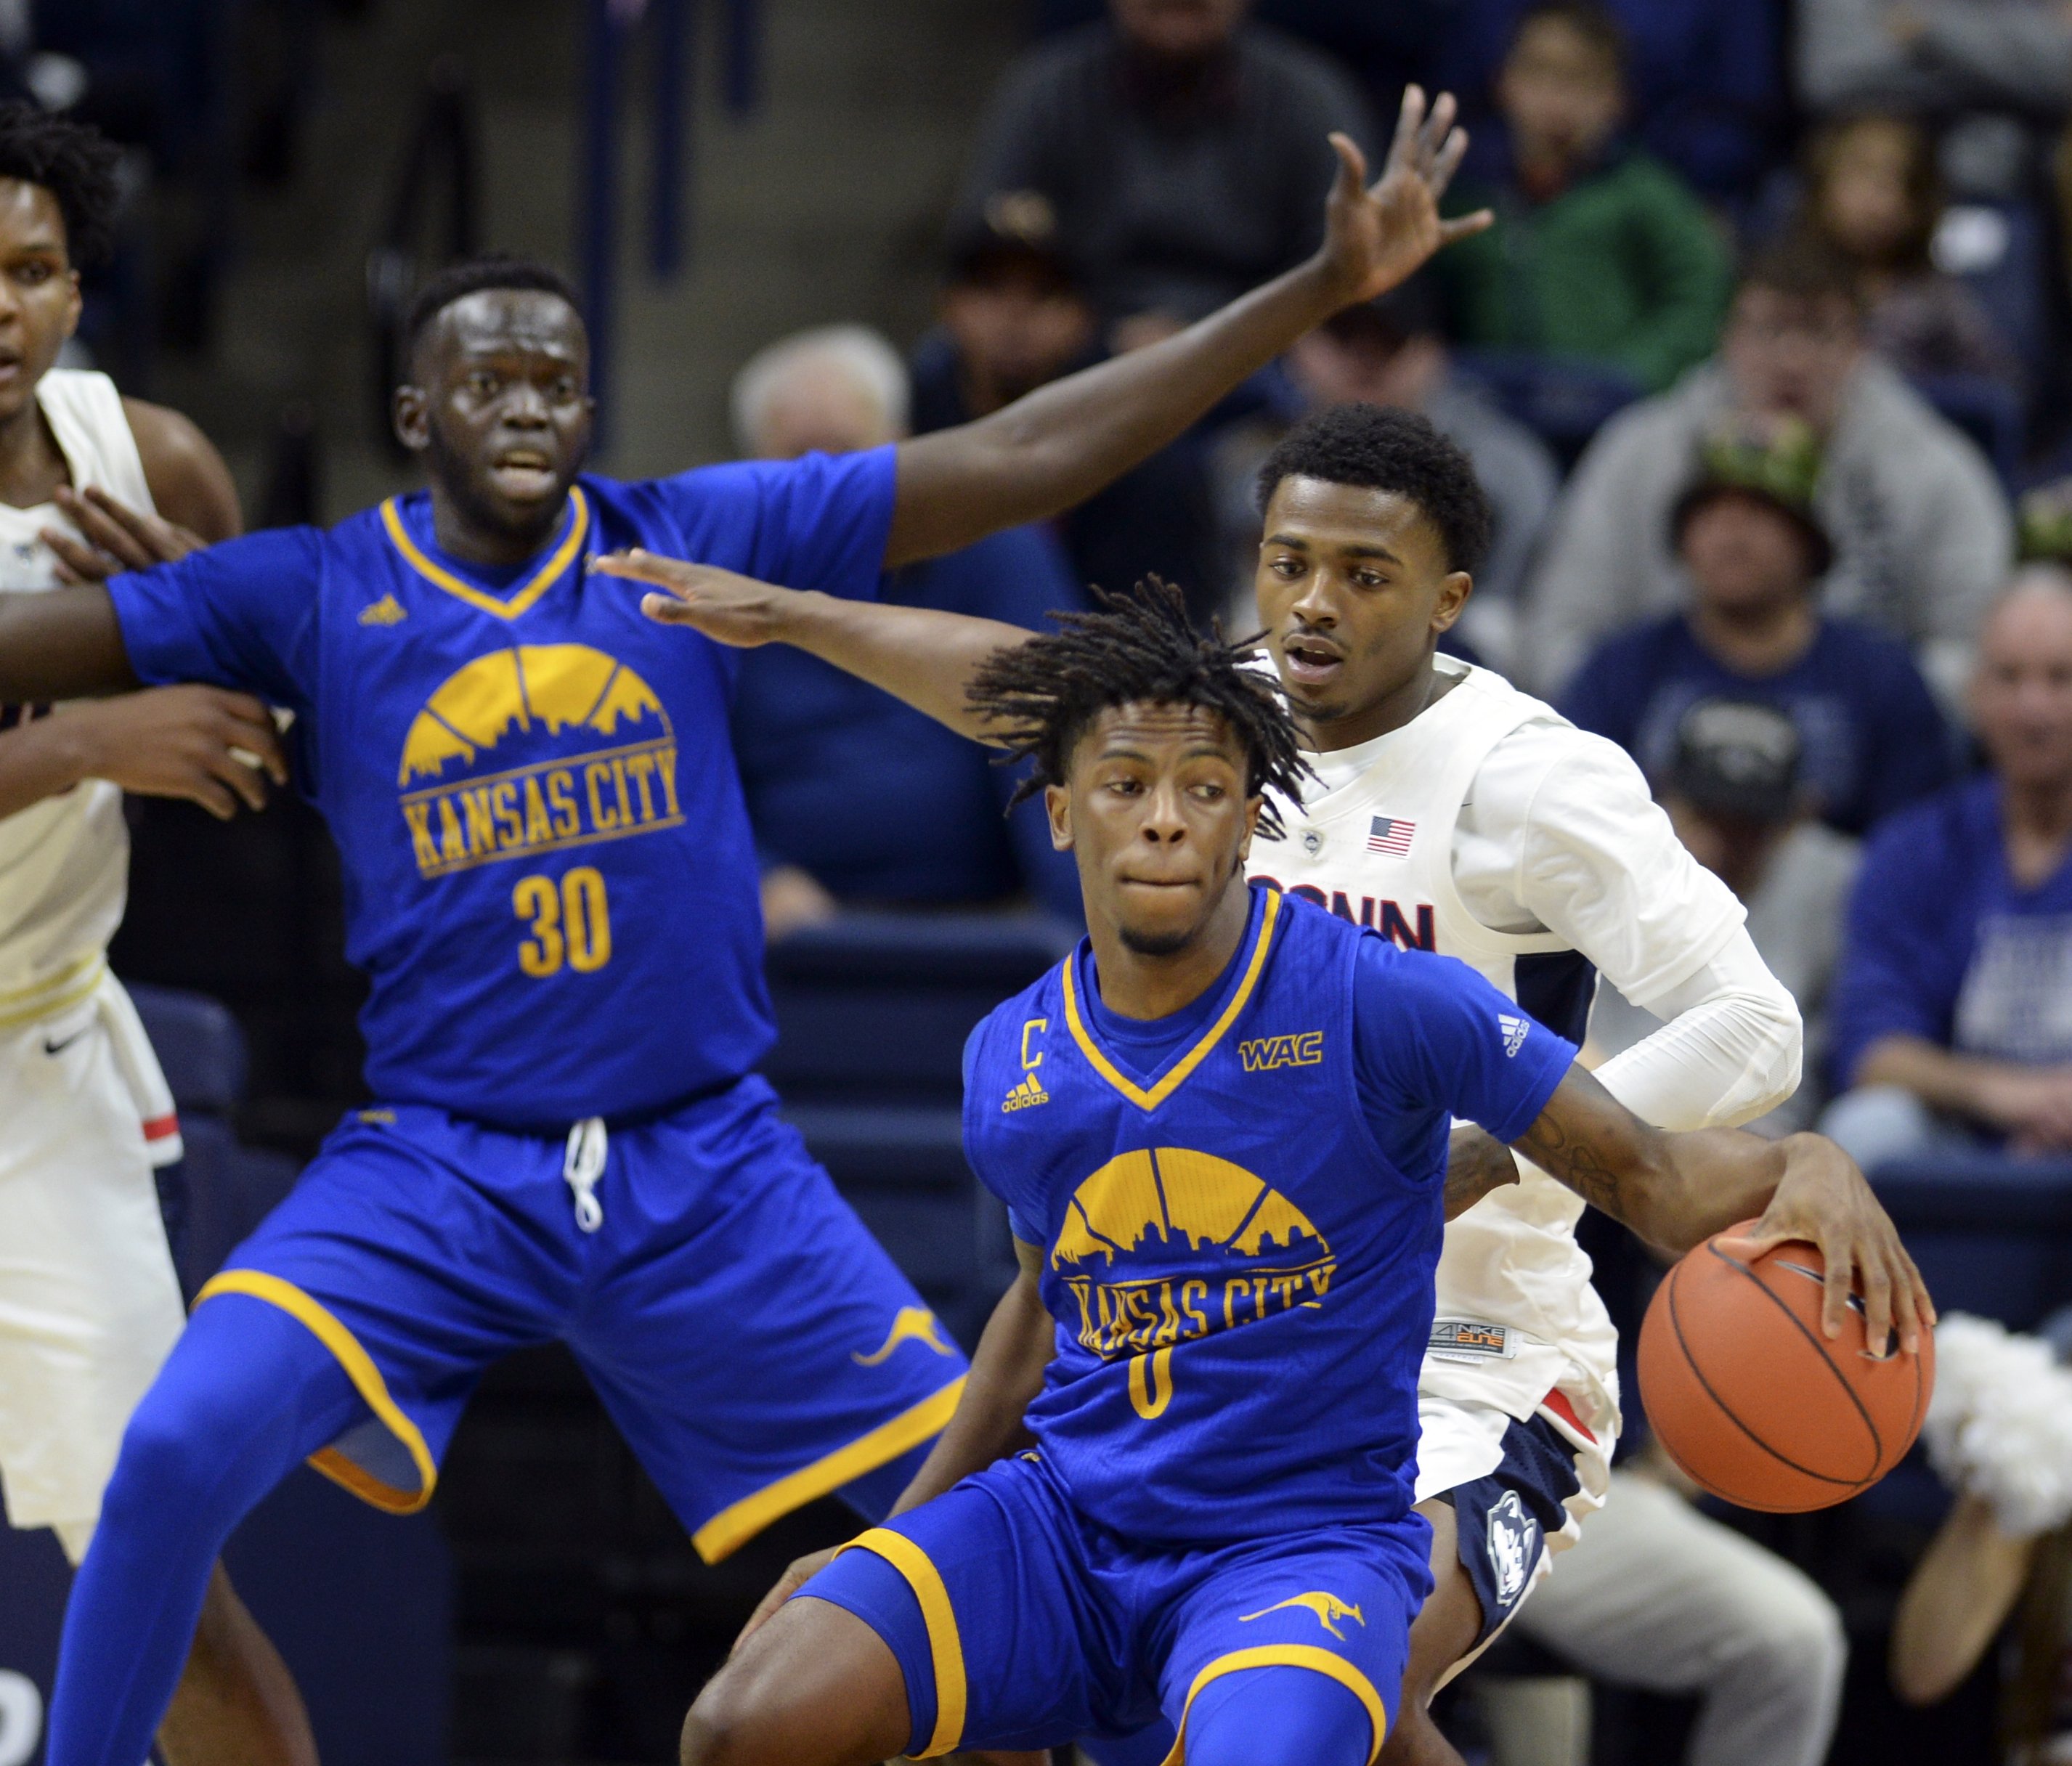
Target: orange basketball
{"points": [[1750, 1398]]}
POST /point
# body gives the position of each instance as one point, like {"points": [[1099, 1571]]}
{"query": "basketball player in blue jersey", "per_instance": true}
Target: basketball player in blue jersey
{"points": [[1220, 1129], [550, 881]]}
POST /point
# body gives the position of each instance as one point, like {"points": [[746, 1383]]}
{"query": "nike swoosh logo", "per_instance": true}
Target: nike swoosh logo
{"points": [[51, 1048]]}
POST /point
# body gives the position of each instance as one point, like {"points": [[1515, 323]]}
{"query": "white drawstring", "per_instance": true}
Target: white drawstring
{"points": [[583, 1166]]}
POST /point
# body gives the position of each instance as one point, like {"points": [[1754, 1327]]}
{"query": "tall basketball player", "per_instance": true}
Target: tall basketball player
{"points": [[89, 1305]]}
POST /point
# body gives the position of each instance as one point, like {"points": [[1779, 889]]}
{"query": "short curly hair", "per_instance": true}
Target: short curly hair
{"points": [[76, 164], [473, 276], [1041, 697], [1380, 448]]}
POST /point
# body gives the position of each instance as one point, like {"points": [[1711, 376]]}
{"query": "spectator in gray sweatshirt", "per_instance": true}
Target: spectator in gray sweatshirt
{"points": [[1921, 533]]}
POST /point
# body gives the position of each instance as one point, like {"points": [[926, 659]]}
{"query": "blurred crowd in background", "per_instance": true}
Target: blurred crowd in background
{"points": [[1766, 367]]}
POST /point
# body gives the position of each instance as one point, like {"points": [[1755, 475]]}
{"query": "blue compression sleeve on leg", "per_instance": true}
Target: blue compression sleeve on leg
{"points": [[1278, 1717], [246, 1395]]}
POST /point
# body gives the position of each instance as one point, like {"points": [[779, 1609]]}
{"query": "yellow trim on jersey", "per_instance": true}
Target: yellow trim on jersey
{"points": [[57, 993], [508, 606], [1308, 1656], [734, 1526], [1195, 1055], [366, 1380], [946, 1649]]}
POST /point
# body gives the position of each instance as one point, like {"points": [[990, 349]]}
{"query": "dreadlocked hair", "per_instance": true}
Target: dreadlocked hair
{"points": [[1138, 648]]}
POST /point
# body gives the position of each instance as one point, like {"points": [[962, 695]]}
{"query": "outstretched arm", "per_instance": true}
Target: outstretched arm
{"points": [[63, 645], [1064, 442], [1675, 1190], [1006, 1375], [920, 654]]}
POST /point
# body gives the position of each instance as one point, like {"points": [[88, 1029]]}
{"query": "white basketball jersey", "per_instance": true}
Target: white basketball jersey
{"points": [[65, 862], [1516, 1314]]}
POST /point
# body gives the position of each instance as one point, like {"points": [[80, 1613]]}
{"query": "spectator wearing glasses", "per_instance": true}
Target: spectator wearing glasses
{"points": [[1922, 535], [1953, 1008], [1869, 738]]}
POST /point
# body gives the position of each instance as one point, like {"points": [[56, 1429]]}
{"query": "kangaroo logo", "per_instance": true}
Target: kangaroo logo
{"points": [[1327, 1608], [914, 1325]]}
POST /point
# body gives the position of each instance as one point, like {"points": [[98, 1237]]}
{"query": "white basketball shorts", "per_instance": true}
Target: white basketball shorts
{"points": [[89, 1303]]}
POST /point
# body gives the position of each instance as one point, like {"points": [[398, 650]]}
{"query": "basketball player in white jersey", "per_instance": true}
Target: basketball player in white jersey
{"points": [[89, 1304], [1453, 813]]}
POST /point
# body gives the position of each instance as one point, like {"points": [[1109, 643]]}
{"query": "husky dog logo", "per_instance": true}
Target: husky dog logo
{"points": [[1328, 1609], [1513, 1546]]}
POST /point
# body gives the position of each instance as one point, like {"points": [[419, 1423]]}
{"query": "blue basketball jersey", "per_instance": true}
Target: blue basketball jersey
{"points": [[1239, 1245], [549, 875]]}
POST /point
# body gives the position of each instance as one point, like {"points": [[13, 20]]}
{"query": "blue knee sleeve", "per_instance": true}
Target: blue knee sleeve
{"points": [[1278, 1717], [246, 1393]]}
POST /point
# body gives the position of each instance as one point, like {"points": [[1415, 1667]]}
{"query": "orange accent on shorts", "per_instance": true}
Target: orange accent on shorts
{"points": [[1557, 1402], [162, 1127]]}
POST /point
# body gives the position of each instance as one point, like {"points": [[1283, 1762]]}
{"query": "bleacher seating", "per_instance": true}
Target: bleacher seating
{"points": [[872, 1011]]}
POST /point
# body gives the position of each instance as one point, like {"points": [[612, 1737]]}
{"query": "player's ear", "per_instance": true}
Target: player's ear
{"points": [[1057, 804], [1253, 806], [74, 303], [410, 411], [1454, 589]]}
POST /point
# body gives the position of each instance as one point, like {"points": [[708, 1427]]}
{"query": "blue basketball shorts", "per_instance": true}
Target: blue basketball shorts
{"points": [[751, 1340], [1018, 1623]]}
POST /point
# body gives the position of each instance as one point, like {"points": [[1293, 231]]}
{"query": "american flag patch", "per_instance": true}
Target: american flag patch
{"points": [[1390, 834]]}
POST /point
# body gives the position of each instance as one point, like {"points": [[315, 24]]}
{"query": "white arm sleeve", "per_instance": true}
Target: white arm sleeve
{"points": [[1591, 857], [1730, 1051]]}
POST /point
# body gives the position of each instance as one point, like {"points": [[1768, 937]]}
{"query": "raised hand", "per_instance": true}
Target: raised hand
{"points": [[728, 609], [1377, 237], [1823, 1200], [117, 537]]}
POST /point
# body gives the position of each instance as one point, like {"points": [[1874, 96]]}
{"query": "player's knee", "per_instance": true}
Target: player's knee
{"points": [[165, 1465], [1279, 1717], [731, 1724]]}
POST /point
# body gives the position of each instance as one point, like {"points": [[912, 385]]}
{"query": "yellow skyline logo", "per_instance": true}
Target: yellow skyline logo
{"points": [[1159, 1210], [1185, 1199], [591, 756]]}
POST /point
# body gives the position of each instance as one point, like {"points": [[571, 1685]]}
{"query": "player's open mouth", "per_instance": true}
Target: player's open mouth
{"points": [[1310, 661], [523, 472]]}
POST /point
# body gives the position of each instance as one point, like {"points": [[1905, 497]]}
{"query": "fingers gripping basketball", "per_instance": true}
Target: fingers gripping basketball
{"points": [[1750, 1398]]}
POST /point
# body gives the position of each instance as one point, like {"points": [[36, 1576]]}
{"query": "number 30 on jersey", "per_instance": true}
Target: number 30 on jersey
{"points": [[569, 921]]}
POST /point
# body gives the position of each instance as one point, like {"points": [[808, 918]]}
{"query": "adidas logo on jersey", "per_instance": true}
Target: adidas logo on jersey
{"points": [[1029, 1092], [1514, 1031]]}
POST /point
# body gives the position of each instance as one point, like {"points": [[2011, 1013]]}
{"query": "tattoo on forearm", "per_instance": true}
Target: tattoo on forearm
{"points": [[1576, 1162]]}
